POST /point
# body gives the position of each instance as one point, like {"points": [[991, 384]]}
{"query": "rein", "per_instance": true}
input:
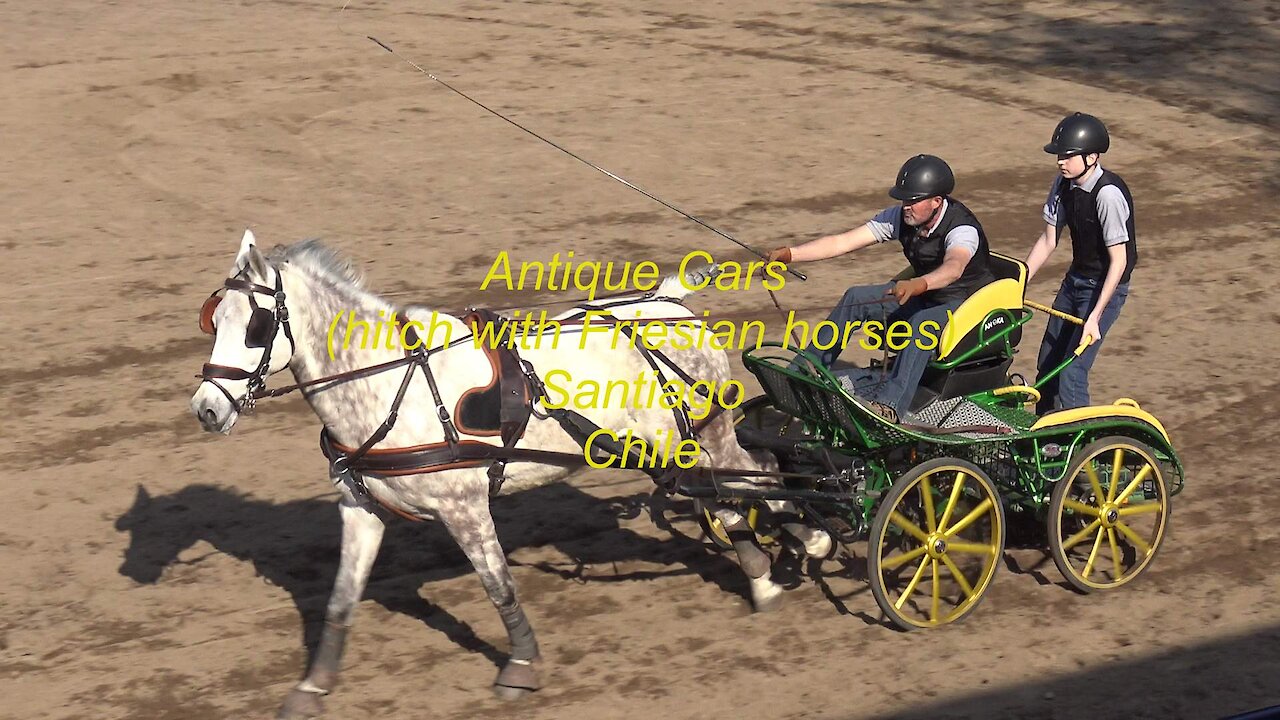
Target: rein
{"points": [[257, 378]]}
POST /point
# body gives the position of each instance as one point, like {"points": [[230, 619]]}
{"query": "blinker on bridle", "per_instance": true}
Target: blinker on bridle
{"points": [[259, 333]]}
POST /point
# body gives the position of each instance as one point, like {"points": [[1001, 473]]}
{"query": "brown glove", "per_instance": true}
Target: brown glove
{"points": [[782, 255], [904, 290]]}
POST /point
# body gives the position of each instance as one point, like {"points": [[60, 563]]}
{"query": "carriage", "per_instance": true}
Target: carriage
{"points": [[937, 493]]}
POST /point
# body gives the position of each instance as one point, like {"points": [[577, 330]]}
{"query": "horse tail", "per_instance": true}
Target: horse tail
{"points": [[678, 287]]}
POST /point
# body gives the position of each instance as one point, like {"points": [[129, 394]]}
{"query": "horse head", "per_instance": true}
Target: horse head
{"points": [[248, 323]]}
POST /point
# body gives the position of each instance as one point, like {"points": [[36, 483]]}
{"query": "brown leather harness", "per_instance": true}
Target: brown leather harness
{"points": [[512, 393]]}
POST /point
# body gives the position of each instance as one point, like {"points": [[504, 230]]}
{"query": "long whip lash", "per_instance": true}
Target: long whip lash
{"points": [[624, 181]]}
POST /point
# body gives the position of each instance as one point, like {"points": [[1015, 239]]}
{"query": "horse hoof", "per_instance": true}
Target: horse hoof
{"points": [[517, 679], [510, 694], [766, 595], [301, 705], [768, 605]]}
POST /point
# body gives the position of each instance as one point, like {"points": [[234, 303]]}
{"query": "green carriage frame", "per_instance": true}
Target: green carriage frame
{"points": [[1058, 470]]}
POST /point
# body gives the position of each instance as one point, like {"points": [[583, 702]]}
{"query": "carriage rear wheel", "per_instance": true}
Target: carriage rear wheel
{"points": [[935, 543], [1108, 514]]}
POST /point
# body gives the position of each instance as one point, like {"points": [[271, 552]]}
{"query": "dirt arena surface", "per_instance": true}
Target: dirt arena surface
{"points": [[154, 571]]}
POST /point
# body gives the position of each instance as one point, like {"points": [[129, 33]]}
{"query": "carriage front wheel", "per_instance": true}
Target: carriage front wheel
{"points": [[935, 543], [1108, 514]]}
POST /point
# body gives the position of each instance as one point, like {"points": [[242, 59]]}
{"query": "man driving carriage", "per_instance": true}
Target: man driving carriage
{"points": [[947, 249]]}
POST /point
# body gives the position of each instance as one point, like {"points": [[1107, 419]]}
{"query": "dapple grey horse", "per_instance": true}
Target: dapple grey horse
{"points": [[308, 284]]}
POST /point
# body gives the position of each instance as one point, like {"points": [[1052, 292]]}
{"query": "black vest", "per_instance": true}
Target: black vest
{"points": [[1079, 212], [926, 255]]}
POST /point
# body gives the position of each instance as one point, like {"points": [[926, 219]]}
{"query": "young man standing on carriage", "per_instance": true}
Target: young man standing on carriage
{"points": [[947, 249], [1096, 206]]}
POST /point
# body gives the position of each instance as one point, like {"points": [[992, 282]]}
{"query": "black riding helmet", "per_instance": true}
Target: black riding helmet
{"points": [[923, 176], [1079, 134]]}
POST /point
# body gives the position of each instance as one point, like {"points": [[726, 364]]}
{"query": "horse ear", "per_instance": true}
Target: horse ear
{"points": [[247, 244], [250, 257], [258, 264]]}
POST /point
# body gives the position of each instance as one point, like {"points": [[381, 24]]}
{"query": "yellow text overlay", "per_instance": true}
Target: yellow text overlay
{"points": [[592, 276], [537, 331], [643, 393]]}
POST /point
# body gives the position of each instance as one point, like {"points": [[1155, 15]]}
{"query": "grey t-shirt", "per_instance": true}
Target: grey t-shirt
{"points": [[886, 223], [1113, 211]]}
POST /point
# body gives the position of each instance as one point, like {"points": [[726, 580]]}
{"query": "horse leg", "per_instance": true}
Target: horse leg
{"points": [[720, 447], [766, 595], [817, 543], [361, 537], [471, 525]]}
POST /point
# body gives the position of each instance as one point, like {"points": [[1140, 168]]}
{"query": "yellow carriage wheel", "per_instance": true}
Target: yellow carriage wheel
{"points": [[935, 543], [1108, 514]]}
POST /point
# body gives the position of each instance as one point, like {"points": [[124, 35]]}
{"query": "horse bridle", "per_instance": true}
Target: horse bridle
{"points": [[264, 323]]}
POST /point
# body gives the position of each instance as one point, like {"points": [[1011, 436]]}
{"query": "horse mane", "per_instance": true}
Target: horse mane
{"points": [[327, 267], [319, 261]]}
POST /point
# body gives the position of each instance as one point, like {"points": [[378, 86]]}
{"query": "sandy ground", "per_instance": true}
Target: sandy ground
{"points": [[152, 571]]}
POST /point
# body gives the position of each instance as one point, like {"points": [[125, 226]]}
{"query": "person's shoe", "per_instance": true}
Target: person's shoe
{"points": [[885, 411]]}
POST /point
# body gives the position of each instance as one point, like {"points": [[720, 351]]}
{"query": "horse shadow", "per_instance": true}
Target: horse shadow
{"points": [[294, 545]]}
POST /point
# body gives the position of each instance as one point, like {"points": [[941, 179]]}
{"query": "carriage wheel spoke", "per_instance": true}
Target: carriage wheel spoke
{"points": [[1081, 507], [926, 492], [969, 519], [1115, 474], [1137, 480], [901, 521], [1078, 537], [1093, 554], [937, 590], [1142, 509], [1133, 538], [899, 560], [968, 547], [1094, 483], [955, 500], [959, 576], [911, 586], [1115, 553]]}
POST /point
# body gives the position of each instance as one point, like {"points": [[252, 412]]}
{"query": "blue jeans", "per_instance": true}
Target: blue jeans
{"points": [[1078, 295], [869, 302]]}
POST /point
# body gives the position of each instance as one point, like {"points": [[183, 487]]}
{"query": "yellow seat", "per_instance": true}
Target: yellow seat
{"points": [[972, 323]]}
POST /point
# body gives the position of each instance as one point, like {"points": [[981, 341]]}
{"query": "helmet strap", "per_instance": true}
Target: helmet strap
{"points": [[929, 220], [1088, 168]]}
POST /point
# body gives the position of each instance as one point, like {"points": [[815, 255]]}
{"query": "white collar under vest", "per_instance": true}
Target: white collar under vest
{"points": [[941, 211]]}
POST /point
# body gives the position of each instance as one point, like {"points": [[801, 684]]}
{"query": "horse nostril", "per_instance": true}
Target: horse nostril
{"points": [[210, 418]]}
